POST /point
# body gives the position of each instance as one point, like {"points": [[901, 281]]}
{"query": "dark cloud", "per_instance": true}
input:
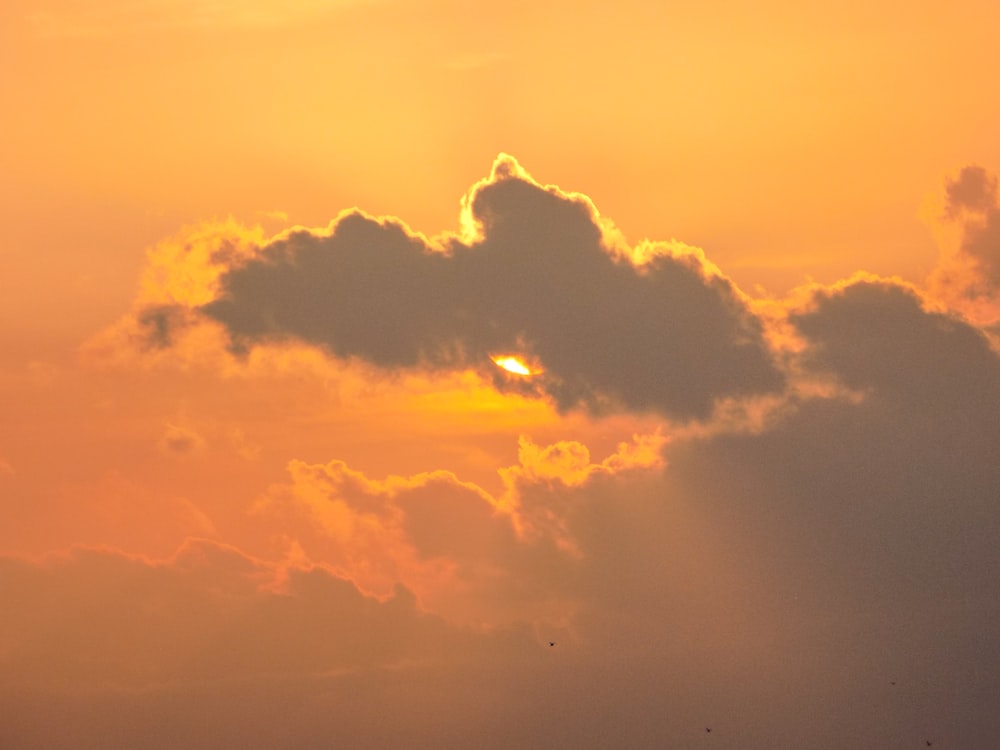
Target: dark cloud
{"points": [[541, 278], [974, 189], [981, 243], [872, 526], [971, 201], [878, 334], [157, 324]]}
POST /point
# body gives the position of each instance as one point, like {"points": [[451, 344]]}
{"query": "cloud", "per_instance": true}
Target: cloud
{"points": [[464, 552], [974, 190], [879, 334], [214, 644], [968, 273], [974, 197], [769, 574], [209, 613], [870, 525], [178, 440], [536, 271], [769, 585], [895, 492]]}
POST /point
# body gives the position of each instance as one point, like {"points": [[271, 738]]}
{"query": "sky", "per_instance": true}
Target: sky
{"points": [[412, 373]]}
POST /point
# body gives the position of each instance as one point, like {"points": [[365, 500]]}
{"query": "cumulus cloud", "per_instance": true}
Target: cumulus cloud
{"points": [[771, 585], [872, 523], [536, 271], [880, 334], [826, 578], [907, 473], [440, 535]]}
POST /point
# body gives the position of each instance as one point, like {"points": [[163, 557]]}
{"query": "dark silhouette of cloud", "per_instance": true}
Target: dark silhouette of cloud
{"points": [[878, 334], [974, 189], [976, 193], [543, 277], [968, 275], [872, 525]]}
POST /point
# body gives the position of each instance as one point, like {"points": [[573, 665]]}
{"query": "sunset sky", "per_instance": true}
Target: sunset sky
{"points": [[425, 374]]}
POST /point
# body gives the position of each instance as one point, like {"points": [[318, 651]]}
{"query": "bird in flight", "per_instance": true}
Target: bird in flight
{"points": [[551, 644], [708, 729]]}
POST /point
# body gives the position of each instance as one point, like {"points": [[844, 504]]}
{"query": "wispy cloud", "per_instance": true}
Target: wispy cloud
{"points": [[968, 275]]}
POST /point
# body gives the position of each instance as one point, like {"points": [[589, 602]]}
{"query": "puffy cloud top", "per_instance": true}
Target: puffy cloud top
{"points": [[878, 334], [540, 273]]}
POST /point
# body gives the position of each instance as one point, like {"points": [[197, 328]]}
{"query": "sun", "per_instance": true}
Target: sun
{"points": [[512, 365]]}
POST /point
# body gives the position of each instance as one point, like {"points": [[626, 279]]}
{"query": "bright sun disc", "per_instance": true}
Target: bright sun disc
{"points": [[512, 364]]}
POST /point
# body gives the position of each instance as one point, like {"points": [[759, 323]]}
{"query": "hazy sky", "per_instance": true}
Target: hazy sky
{"points": [[263, 483]]}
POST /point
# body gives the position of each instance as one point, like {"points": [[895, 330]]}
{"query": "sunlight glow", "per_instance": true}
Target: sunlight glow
{"points": [[512, 364]]}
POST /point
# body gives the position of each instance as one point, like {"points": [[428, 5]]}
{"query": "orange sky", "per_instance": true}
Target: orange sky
{"points": [[263, 483]]}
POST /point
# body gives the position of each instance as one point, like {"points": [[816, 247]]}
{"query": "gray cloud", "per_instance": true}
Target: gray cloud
{"points": [[872, 526], [209, 614], [542, 277], [974, 189], [771, 584], [104, 650], [877, 334], [981, 243], [972, 272]]}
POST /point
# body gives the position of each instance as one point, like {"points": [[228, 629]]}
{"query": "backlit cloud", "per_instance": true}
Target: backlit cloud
{"points": [[463, 551], [798, 546], [536, 271]]}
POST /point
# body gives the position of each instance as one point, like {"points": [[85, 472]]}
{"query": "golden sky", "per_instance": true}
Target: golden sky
{"points": [[414, 373]]}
